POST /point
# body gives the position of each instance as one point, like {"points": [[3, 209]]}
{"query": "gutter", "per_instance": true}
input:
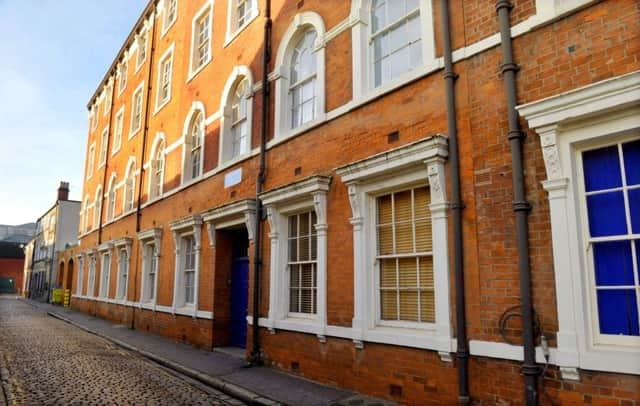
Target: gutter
{"points": [[521, 207], [462, 350], [256, 357]]}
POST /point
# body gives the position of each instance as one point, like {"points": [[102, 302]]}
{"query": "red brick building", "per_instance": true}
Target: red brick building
{"points": [[11, 267], [440, 201]]}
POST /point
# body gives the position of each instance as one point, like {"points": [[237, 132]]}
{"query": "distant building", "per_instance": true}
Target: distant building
{"points": [[11, 264], [21, 234], [54, 231]]}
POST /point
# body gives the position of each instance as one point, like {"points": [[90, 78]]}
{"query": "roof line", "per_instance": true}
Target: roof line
{"points": [[145, 13]]}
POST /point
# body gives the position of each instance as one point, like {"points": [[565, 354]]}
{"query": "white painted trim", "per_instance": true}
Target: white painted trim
{"points": [[104, 141], [229, 35], [186, 226], [602, 113], [231, 214], [207, 7], [304, 195], [196, 107], [163, 6], [139, 88], [238, 74], [301, 23], [168, 54], [159, 140], [120, 128]]}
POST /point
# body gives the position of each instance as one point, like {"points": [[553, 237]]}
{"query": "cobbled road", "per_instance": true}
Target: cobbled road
{"points": [[45, 361]]}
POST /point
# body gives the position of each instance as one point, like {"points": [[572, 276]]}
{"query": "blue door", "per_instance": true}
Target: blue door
{"points": [[239, 301]]}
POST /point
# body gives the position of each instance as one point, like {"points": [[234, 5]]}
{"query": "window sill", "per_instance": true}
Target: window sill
{"points": [[161, 105], [231, 36], [200, 68]]}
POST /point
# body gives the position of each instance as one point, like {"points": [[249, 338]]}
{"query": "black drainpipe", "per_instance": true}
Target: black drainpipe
{"points": [[462, 351], [145, 133], [521, 207], [256, 357]]}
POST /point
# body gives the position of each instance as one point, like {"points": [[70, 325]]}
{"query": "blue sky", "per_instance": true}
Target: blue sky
{"points": [[53, 54]]}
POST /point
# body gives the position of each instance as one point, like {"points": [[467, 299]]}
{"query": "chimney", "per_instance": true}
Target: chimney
{"points": [[63, 191]]}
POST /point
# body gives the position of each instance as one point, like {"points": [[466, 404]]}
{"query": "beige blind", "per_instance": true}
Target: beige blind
{"points": [[302, 263], [404, 253]]}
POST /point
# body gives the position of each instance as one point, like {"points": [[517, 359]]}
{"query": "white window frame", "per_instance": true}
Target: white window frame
{"points": [[300, 25], [118, 130], [93, 117], [239, 73], [166, 23], [599, 114], [135, 127], [151, 241], [97, 208], [417, 164], [104, 142], [159, 147], [303, 196], [361, 50], [112, 194], [91, 282], [85, 217], [196, 107], [104, 250], [205, 12], [80, 276], [234, 29], [130, 175], [123, 246], [123, 71], [167, 57], [108, 97], [187, 227], [92, 158], [141, 42]]}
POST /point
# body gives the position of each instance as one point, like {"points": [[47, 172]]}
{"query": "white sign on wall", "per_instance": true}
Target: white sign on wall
{"points": [[233, 178]]}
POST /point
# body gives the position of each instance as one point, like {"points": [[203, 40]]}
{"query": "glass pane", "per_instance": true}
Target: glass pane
{"points": [[400, 62], [308, 277], [388, 273], [395, 11], [423, 235], [634, 207], [631, 153], [412, 5], [606, 214], [404, 238], [304, 224], [409, 306], [618, 312], [398, 38], [293, 250], [407, 272], [307, 112], [403, 207], [427, 307], [385, 240], [304, 253], [306, 299], [601, 168], [293, 226], [294, 296], [613, 263], [384, 209], [294, 276], [426, 272], [378, 19], [389, 305], [415, 54]]}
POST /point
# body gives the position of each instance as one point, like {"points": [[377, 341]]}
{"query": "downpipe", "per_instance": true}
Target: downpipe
{"points": [[462, 349], [521, 207]]}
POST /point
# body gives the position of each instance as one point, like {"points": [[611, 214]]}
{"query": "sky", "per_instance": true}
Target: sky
{"points": [[53, 55]]}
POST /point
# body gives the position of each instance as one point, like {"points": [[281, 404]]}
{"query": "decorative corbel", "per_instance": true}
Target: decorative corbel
{"points": [[211, 233], [273, 221], [250, 223]]}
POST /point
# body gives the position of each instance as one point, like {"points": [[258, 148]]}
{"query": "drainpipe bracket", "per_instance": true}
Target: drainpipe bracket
{"points": [[450, 75], [531, 370], [516, 134], [521, 206], [457, 206], [502, 4], [509, 67]]}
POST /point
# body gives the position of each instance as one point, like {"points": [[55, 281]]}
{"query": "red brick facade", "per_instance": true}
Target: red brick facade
{"points": [[589, 42]]}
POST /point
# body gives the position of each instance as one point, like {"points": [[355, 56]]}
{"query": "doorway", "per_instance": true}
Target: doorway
{"points": [[239, 288]]}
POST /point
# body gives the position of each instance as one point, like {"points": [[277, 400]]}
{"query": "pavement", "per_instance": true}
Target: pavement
{"points": [[226, 373]]}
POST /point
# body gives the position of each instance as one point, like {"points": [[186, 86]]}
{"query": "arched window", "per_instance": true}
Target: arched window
{"points": [[130, 186], [237, 102], [302, 80], [193, 146], [157, 171], [111, 198], [85, 218], [300, 93], [97, 208]]}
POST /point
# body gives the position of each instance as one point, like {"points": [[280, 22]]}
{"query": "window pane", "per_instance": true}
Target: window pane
{"points": [[389, 305], [631, 152], [426, 272], [634, 207], [384, 209], [404, 238], [294, 276], [409, 306], [407, 270], [388, 273], [618, 312], [402, 207], [385, 240], [606, 214], [423, 235], [602, 168], [613, 263], [427, 307]]}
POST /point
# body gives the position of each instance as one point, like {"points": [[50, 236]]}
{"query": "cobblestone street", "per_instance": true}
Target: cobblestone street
{"points": [[44, 361]]}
